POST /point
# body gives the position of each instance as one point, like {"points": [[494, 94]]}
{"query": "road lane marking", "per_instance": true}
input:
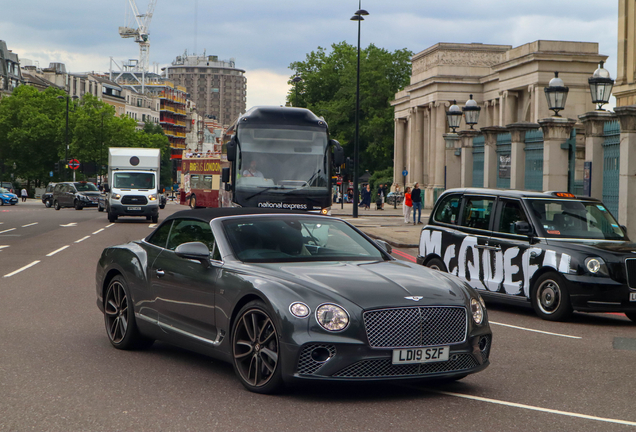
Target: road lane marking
{"points": [[10, 229], [533, 408], [71, 224], [108, 226], [82, 239], [404, 255], [152, 225], [28, 225], [58, 250], [21, 269], [2, 247], [536, 331], [99, 230]]}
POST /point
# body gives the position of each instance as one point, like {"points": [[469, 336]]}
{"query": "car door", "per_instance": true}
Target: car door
{"points": [[506, 271], [69, 195], [185, 288]]}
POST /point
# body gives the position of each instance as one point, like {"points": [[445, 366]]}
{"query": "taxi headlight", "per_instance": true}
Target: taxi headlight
{"points": [[477, 310], [596, 265], [152, 197], [332, 317]]}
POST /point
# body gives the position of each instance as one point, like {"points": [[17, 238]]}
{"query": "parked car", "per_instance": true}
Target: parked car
{"points": [[393, 196], [47, 196], [8, 198], [290, 298], [7, 185], [553, 250], [75, 194]]}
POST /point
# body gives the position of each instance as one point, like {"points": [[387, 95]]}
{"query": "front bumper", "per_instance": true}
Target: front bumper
{"points": [[359, 362], [10, 201], [599, 294], [127, 210]]}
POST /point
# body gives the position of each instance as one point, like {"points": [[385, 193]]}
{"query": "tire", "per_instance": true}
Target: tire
{"points": [[193, 201], [111, 217], [1, 202], [155, 219], [436, 264], [161, 207], [119, 317], [148, 218], [78, 205], [550, 298], [256, 349], [100, 208], [631, 316], [56, 204], [47, 203]]}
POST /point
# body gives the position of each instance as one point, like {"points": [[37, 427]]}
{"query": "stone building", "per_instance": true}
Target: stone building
{"points": [[10, 74], [506, 82], [217, 87]]}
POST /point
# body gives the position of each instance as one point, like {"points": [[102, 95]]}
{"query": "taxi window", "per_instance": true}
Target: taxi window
{"points": [[448, 210], [477, 212], [511, 212]]}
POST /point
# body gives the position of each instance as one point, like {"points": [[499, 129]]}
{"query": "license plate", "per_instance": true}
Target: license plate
{"points": [[420, 355], [133, 208], [632, 296]]}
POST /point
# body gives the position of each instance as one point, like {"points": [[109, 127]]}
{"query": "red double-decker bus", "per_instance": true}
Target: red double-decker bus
{"points": [[201, 180]]}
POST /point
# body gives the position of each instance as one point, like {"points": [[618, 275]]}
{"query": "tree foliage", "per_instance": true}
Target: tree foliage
{"points": [[328, 88]]}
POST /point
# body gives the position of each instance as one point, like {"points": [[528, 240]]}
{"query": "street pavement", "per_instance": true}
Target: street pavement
{"points": [[58, 371]]}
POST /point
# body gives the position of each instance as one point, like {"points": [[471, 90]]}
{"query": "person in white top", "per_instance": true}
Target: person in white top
{"points": [[252, 171], [24, 194]]}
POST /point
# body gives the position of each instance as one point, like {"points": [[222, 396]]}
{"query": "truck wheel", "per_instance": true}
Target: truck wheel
{"points": [[155, 219], [111, 217], [193, 202], [78, 205]]}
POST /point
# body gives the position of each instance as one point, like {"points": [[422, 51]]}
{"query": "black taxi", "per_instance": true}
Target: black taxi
{"points": [[555, 250]]}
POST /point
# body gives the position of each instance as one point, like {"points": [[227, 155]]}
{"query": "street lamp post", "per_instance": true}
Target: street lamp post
{"points": [[67, 97], [101, 150], [296, 80], [556, 94], [601, 87], [358, 16]]}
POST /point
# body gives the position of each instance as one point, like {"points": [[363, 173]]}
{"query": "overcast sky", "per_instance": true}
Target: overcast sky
{"points": [[264, 37]]}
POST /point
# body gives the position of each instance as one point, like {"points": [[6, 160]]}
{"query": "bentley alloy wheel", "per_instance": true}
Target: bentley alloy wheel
{"points": [[119, 317]]}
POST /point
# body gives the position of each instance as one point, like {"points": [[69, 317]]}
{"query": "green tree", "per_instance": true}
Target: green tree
{"points": [[328, 88]]}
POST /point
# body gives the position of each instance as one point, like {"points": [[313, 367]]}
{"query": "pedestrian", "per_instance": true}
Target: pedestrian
{"points": [[365, 202], [416, 198], [24, 194], [407, 205], [381, 196]]}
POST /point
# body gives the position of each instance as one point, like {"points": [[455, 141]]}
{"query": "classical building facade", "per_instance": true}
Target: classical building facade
{"points": [[217, 87], [10, 74], [506, 82]]}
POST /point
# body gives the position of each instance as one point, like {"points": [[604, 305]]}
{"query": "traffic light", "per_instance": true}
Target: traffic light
{"points": [[57, 167], [348, 166]]}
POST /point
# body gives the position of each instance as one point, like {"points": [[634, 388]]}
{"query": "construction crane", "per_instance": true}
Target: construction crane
{"points": [[140, 33]]}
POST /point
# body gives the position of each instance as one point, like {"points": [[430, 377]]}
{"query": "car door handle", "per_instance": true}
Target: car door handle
{"points": [[160, 272], [488, 247]]}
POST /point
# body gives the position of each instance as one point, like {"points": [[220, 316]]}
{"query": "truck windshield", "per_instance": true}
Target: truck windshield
{"points": [[282, 159], [134, 180], [576, 219]]}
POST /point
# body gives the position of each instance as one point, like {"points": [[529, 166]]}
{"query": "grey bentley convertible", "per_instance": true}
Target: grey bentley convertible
{"points": [[287, 297]]}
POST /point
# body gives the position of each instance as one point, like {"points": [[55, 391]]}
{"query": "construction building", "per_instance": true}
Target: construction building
{"points": [[217, 87]]}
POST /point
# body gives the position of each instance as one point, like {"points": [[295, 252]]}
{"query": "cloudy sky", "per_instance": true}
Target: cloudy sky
{"points": [[265, 36]]}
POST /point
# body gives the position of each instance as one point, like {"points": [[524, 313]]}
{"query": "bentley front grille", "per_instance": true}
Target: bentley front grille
{"points": [[384, 368], [415, 326], [630, 270]]}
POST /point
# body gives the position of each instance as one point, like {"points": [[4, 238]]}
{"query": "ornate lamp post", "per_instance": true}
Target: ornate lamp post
{"points": [[471, 112], [601, 86], [296, 80], [358, 16], [454, 116], [556, 93]]}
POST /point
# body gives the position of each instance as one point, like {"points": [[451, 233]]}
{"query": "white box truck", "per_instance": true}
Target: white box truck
{"points": [[133, 183]]}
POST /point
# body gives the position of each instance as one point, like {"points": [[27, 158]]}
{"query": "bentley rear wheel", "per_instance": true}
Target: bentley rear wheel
{"points": [[119, 317], [255, 349]]}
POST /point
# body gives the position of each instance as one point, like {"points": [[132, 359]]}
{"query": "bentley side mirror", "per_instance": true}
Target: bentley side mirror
{"points": [[523, 228], [194, 250], [384, 245]]}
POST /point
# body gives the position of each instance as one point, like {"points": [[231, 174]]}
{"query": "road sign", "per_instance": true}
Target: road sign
{"points": [[73, 164], [405, 173]]}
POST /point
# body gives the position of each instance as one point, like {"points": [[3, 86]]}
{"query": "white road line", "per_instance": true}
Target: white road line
{"points": [[23, 268], [10, 229], [108, 226], [2, 247], [28, 225], [82, 239], [536, 331], [71, 224], [534, 408], [152, 225], [56, 251], [99, 230]]}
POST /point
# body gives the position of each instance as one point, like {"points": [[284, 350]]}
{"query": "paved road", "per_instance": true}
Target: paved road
{"points": [[58, 372]]}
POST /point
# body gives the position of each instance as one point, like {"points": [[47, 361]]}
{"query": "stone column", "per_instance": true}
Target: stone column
{"points": [[452, 161], [518, 154], [431, 145], [594, 123], [426, 126], [398, 150], [627, 180], [490, 155], [466, 164], [410, 167], [556, 131], [416, 142], [436, 178]]}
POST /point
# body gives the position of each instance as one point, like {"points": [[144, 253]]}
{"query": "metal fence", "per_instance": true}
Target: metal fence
{"points": [[504, 145], [611, 159], [534, 160], [478, 161]]}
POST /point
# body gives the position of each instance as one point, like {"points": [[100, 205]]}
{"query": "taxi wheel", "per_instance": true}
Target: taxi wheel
{"points": [[550, 298], [436, 264], [631, 316], [56, 204]]}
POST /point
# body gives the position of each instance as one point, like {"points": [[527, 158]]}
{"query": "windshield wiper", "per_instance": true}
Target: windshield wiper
{"points": [[311, 178], [265, 190]]}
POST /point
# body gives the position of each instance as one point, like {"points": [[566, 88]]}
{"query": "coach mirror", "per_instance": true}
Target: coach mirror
{"points": [[225, 178], [338, 153], [231, 149], [523, 228], [194, 250]]}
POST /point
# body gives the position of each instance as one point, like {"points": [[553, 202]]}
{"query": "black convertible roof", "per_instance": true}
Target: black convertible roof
{"points": [[207, 214]]}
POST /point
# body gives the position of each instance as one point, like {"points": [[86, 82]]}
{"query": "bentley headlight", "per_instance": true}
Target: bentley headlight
{"points": [[332, 317], [477, 310], [595, 265], [299, 310], [152, 197]]}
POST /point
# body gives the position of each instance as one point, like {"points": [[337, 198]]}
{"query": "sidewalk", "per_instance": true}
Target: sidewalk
{"points": [[387, 224]]}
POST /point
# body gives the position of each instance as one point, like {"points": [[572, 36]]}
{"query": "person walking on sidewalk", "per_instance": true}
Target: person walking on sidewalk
{"points": [[407, 205], [24, 194], [416, 197]]}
